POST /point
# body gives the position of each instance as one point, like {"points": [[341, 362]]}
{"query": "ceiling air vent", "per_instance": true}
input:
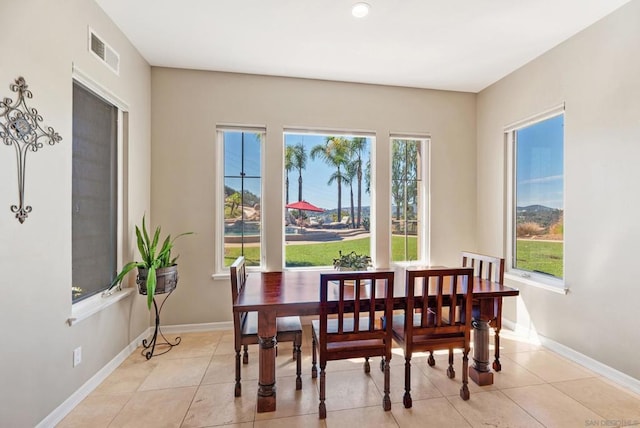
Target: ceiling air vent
{"points": [[104, 52]]}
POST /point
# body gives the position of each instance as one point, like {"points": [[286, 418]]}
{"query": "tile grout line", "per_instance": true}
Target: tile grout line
{"points": [[458, 411], [576, 400], [522, 408]]}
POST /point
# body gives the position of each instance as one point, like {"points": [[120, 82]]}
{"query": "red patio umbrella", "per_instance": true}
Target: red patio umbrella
{"points": [[303, 206]]}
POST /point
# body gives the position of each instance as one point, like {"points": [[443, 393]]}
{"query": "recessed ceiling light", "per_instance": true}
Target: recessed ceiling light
{"points": [[360, 10]]}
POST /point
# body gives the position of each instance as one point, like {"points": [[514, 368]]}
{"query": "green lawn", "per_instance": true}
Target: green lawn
{"points": [[540, 256], [322, 253]]}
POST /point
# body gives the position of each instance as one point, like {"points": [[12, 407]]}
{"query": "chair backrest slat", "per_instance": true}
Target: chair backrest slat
{"points": [[453, 298], [439, 289], [372, 308], [341, 307], [356, 305], [425, 303]]}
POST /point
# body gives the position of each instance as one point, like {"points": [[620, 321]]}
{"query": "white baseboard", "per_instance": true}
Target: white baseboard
{"points": [[195, 328], [610, 373], [519, 329], [81, 393], [70, 403]]}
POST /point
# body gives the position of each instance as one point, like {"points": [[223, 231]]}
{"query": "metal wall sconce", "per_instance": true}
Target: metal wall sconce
{"points": [[20, 127]]}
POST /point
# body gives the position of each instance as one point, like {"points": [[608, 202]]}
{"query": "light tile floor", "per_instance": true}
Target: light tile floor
{"points": [[192, 386]]}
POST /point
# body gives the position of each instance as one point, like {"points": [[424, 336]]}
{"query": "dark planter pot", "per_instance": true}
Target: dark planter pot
{"points": [[167, 279]]}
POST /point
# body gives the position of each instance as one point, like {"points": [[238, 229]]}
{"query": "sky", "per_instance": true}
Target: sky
{"points": [[316, 175], [539, 166], [315, 189]]}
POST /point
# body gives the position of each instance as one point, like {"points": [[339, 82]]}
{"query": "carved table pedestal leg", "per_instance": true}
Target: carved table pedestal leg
{"points": [[479, 371], [267, 362]]}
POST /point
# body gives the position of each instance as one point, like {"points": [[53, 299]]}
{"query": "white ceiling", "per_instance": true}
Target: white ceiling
{"points": [[460, 45]]}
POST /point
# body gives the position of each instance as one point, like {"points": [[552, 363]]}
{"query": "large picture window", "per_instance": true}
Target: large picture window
{"points": [[327, 205], [409, 203], [537, 225], [326, 196], [242, 196]]}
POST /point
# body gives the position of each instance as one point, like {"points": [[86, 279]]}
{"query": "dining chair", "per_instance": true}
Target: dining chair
{"points": [[492, 269], [245, 327], [439, 321], [353, 331]]}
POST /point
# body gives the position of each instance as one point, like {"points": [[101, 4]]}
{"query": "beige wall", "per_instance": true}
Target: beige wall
{"points": [[187, 105], [596, 74], [40, 41]]}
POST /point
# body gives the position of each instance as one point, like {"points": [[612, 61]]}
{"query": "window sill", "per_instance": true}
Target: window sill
{"points": [[94, 304], [220, 276], [557, 287], [226, 275]]}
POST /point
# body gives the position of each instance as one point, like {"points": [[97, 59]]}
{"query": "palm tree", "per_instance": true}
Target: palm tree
{"points": [[358, 146], [299, 162], [351, 170], [288, 166], [334, 153]]}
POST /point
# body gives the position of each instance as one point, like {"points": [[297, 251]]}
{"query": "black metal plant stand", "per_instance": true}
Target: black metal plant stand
{"points": [[154, 339]]}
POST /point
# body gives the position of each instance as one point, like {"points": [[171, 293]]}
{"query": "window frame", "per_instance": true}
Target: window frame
{"points": [[424, 190], [322, 132], [540, 280], [84, 308], [88, 197], [219, 268]]}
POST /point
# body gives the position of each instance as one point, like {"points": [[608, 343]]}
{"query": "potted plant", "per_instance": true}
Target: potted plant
{"points": [[351, 261], [157, 272]]}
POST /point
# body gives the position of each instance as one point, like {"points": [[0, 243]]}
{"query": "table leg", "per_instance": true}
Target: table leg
{"points": [[267, 361], [479, 371]]}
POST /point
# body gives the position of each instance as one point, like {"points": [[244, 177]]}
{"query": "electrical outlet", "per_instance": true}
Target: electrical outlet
{"points": [[77, 356]]}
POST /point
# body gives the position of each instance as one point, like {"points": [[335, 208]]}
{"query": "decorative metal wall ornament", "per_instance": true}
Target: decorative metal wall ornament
{"points": [[20, 127]]}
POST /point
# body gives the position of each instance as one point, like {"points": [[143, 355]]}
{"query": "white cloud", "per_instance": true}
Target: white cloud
{"points": [[542, 179]]}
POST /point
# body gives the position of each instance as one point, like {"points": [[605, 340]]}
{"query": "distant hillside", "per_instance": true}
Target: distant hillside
{"points": [[543, 216], [366, 210]]}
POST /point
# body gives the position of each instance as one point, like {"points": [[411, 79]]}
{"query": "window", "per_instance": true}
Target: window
{"points": [[242, 154], [537, 198], [94, 193], [409, 203], [327, 204]]}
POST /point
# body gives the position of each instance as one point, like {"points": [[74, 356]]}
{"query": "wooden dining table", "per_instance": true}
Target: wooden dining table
{"points": [[296, 292]]}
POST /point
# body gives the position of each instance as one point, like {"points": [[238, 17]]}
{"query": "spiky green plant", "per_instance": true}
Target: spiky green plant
{"points": [[352, 260], [153, 258]]}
